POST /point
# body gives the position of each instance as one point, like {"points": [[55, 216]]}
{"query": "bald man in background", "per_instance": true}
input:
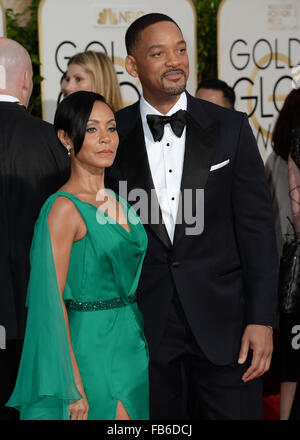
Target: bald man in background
{"points": [[33, 165]]}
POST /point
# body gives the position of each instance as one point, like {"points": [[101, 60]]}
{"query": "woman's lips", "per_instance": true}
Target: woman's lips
{"points": [[105, 152]]}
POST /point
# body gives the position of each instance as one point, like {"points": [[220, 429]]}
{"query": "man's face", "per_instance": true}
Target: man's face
{"points": [[160, 61]]}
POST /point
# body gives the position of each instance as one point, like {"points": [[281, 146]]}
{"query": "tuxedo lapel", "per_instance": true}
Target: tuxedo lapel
{"points": [[199, 152], [134, 165]]}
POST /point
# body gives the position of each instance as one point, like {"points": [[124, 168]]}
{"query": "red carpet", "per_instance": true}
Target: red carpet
{"points": [[271, 408]]}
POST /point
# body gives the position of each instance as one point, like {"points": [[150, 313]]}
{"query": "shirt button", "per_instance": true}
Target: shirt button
{"points": [[168, 144], [173, 198], [175, 264]]}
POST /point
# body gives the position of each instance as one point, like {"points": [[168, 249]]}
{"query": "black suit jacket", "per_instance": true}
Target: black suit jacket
{"points": [[33, 165], [226, 276]]}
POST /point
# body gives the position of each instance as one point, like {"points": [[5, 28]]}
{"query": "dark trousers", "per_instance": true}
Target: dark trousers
{"points": [[185, 384], [9, 365]]}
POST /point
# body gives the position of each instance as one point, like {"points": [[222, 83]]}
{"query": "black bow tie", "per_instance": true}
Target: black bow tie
{"points": [[157, 124]]}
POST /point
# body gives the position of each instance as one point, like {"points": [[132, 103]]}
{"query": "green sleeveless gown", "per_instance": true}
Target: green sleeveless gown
{"points": [[106, 325]]}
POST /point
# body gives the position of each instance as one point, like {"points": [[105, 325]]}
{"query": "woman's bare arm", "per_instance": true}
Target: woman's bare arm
{"points": [[66, 226]]}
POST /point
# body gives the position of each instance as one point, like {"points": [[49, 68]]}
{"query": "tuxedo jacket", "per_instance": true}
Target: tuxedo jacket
{"points": [[33, 165], [225, 275]]}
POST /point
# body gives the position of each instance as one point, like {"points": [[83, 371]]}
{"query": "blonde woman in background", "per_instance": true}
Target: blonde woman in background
{"points": [[93, 72]]}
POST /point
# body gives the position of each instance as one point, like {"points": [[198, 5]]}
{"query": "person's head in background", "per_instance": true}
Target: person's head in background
{"points": [[217, 92], [93, 72], [288, 119], [16, 71]]}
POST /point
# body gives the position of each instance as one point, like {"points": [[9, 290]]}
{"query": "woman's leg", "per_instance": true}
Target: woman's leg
{"points": [[121, 413], [287, 394]]}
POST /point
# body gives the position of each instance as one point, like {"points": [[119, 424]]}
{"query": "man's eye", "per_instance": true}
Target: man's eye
{"points": [[157, 54]]}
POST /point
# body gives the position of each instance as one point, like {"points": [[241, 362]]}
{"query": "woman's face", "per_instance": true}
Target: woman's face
{"points": [[101, 140], [77, 78]]}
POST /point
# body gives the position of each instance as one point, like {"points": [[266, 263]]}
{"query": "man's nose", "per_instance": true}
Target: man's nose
{"points": [[172, 59]]}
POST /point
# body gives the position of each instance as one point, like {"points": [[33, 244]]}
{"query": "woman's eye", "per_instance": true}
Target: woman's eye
{"points": [[77, 79], [91, 129], [112, 128]]}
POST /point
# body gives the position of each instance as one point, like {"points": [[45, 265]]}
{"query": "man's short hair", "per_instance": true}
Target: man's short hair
{"points": [[134, 30], [218, 84]]}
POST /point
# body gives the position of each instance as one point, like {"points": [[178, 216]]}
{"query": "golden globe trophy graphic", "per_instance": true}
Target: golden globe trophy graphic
{"points": [[264, 131]]}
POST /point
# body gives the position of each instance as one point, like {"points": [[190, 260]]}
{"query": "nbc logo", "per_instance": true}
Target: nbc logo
{"points": [[109, 16]]}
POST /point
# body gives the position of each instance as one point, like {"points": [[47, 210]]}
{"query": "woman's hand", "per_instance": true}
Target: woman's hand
{"points": [[80, 409]]}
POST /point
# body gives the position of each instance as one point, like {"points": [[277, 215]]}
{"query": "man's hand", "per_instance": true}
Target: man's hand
{"points": [[259, 339]]}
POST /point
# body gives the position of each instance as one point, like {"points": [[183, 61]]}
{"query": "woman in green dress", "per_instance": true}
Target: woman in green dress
{"points": [[84, 354]]}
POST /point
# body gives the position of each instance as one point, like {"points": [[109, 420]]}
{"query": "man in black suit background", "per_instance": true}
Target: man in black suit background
{"points": [[33, 165]]}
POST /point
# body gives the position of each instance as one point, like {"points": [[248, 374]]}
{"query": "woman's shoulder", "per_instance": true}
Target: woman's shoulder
{"points": [[61, 207]]}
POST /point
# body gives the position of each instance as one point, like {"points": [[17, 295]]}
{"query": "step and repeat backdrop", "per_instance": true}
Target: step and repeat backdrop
{"points": [[2, 20], [70, 26], [2, 34], [259, 56], [258, 48]]}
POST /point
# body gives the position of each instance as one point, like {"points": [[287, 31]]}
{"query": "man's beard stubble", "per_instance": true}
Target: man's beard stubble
{"points": [[175, 90]]}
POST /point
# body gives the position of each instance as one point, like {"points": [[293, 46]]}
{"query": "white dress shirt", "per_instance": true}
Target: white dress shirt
{"points": [[8, 98], [166, 162]]}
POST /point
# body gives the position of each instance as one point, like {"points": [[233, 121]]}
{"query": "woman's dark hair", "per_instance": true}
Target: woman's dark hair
{"points": [[73, 113], [288, 119]]}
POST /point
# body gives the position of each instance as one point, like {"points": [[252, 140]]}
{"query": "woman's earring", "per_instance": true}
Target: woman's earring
{"points": [[68, 147]]}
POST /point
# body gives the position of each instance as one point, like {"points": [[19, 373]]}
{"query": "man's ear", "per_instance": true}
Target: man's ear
{"points": [[26, 86], [131, 67]]}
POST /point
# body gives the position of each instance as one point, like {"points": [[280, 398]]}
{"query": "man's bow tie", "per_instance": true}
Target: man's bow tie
{"points": [[157, 124]]}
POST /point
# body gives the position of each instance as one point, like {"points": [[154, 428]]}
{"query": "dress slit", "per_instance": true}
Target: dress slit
{"points": [[122, 409]]}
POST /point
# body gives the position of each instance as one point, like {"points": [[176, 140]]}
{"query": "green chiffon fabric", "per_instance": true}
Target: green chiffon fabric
{"points": [[108, 341]]}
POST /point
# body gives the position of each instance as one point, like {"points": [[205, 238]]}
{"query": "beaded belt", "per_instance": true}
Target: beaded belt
{"points": [[114, 303]]}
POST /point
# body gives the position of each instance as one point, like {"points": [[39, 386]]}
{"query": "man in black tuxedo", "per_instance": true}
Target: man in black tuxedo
{"points": [[33, 165], [207, 290]]}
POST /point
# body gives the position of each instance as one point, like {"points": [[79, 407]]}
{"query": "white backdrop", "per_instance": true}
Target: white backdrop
{"points": [[70, 26], [258, 49], [2, 20]]}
